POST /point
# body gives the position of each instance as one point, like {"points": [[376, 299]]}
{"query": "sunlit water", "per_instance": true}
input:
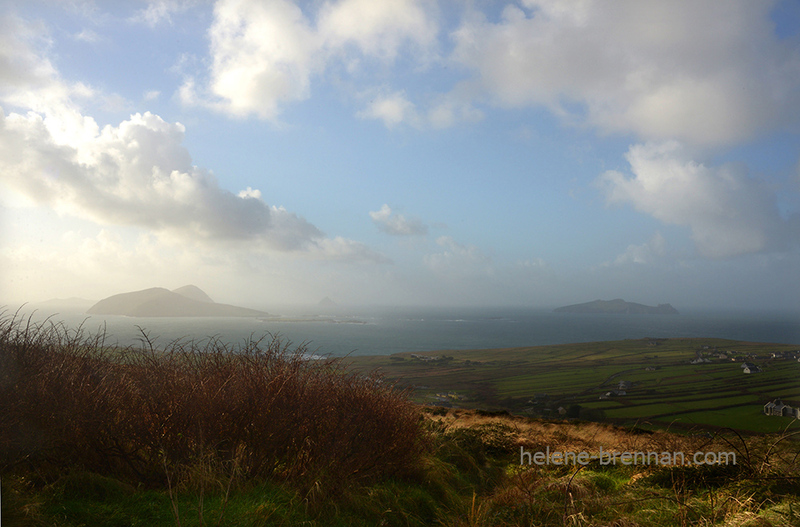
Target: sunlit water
{"points": [[382, 331]]}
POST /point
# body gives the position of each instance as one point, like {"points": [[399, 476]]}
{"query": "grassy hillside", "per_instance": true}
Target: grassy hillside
{"points": [[207, 434], [663, 387], [470, 475]]}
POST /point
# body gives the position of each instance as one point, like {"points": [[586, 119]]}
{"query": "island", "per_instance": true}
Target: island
{"points": [[618, 307], [327, 302], [186, 301]]}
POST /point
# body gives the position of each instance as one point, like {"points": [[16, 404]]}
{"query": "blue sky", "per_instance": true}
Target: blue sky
{"points": [[403, 152]]}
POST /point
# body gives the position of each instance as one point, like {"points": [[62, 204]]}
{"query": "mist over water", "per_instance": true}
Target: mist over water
{"points": [[382, 331]]}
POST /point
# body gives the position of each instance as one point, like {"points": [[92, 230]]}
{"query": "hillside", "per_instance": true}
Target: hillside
{"points": [[383, 460], [187, 301], [618, 307]]}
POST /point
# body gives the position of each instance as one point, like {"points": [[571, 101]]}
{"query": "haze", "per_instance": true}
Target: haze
{"points": [[402, 152]]}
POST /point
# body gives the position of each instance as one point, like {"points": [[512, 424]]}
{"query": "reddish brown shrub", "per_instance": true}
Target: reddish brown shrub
{"points": [[67, 400]]}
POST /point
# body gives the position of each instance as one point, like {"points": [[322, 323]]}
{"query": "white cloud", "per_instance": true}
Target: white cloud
{"points": [[250, 193], [135, 174], [376, 28], [728, 212], [442, 111], [645, 253], [397, 224], [28, 80], [393, 109], [138, 174], [450, 110], [707, 73], [265, 54]]}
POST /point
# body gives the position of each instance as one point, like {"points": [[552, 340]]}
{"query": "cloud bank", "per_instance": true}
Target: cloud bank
{"points": [[728, 212], [265, 54], [707, 73], [137, 173]]}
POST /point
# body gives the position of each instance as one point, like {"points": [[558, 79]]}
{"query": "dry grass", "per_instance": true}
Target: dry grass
{"points": [[66, 400], [534, 434], [762, 489]]}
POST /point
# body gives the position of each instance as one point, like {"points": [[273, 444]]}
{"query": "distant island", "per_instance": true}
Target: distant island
{"points": [[186, 301], [64, 305], [618, 307], [327, 302]]}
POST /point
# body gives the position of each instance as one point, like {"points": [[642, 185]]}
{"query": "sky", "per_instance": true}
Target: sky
{"points": [[402, 152]]}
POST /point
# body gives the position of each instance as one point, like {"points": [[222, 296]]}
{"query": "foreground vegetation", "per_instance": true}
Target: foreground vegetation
{"points": [[206, 434]]}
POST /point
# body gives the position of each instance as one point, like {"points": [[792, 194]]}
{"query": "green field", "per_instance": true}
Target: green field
{"points": [[665, 389]]}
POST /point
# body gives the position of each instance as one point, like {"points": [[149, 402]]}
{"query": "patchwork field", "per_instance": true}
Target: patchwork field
{"points": [[662, 388]]}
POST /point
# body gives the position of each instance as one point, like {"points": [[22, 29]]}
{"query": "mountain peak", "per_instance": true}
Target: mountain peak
{"points": [[193, 292], [327, 302]]}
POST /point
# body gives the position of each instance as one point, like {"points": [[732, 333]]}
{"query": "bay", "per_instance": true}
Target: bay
{"points": [[385, 330]]}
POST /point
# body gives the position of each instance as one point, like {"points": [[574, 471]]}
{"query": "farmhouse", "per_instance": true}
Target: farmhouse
{"points": [[749, 367], [777, 407], [613, 393], [700, 360], [423, 358]]}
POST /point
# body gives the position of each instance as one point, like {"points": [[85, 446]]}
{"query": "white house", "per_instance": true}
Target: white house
{"points": [[777, 407]]}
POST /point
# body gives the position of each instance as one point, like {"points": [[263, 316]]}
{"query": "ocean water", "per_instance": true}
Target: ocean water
{"points": [[382, 331]]}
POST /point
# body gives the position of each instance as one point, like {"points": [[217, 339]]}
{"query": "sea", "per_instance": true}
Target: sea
{"points": [[372, 330]]}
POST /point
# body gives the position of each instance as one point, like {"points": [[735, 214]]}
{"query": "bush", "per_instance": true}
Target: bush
{"points": [[69, 401]]}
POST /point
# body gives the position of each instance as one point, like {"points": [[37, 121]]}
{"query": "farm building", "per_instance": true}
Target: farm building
{"points": [[777, 407], [749, 367]]}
